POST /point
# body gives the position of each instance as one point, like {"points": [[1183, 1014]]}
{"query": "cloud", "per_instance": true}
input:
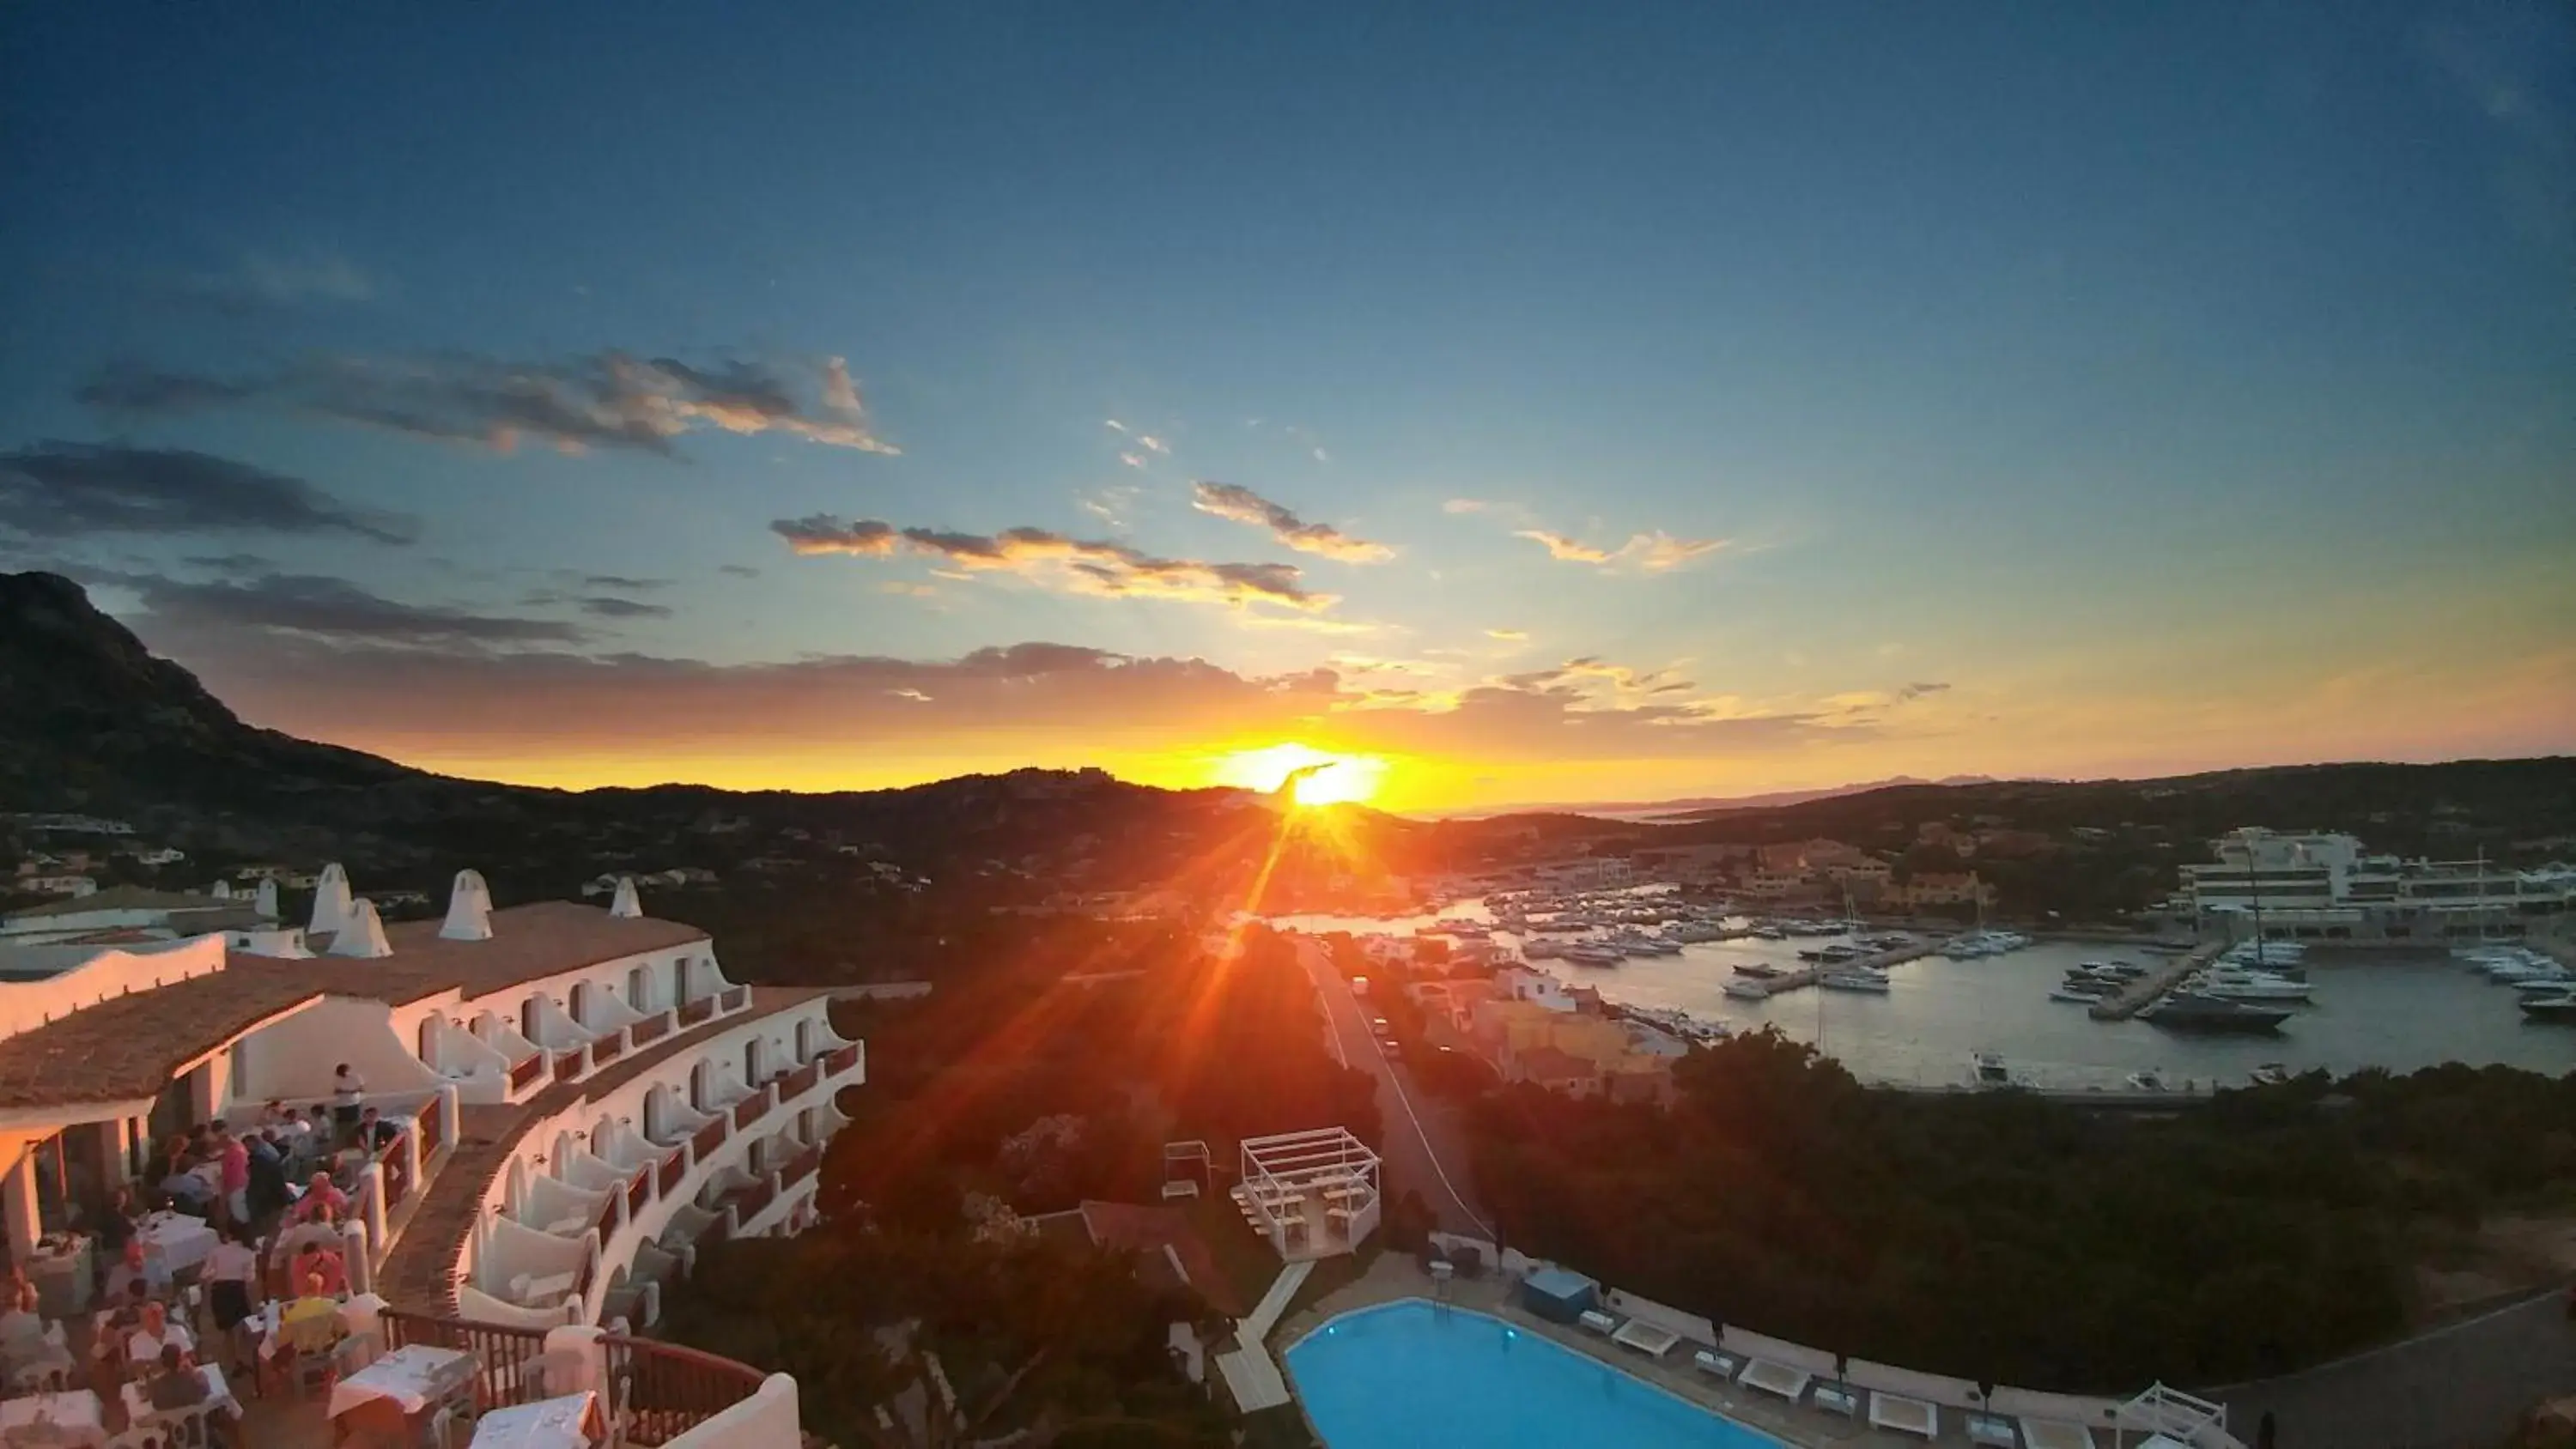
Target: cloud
{"points": [[1080, 566], [1113, 425], [1917, 691], [1508, 636], [740, 571], [1465, 505], [1241, 505], [67, 490], [1132, 460], [1654, 553], [1152, 444], [1110, 505], [609, 606], [335, 609], [622, 582], [231, 563], [270, 281], [605, 400]]}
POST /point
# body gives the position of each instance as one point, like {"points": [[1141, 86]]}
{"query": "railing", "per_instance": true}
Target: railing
{"points": [[397, 1176], [751, 1109], [674, 1167], [527, 1072], [639, 1193], [505, 1358], [663, 1390], [801, 1166], [702, 1009], [649, 1029], [568, 1065], [709, 1138], [800, 1081], [737, 998], [842, 1060], [606, 1048], [748, 1203], [431, 1124]]}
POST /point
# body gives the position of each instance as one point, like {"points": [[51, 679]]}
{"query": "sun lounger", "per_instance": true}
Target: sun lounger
{"points": [[1835, 1399], [1904, 1415], [1649, 1339], [2051, 1434], [1710, 1361], [1774, 1378], [1598, 1321]]}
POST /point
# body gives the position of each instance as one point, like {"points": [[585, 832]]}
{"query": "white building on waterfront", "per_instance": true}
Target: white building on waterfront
{"points": [[2323, 886], [584, 1098]]}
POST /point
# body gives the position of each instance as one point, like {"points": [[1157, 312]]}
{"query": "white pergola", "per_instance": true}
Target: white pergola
{"points": [[2172, 1417], [1312, 1194]]}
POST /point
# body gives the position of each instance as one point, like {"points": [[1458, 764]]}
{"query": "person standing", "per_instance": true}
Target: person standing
{"points": [[234, 1155], [347, 1090]]}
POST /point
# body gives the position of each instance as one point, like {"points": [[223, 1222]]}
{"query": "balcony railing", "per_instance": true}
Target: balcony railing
{"points": [[674, 1167], [506, 1357], [800, 1081], [842, 1060], [397, 1177], [526, 1073], [568, 1065], [709, 1138], [667, 1390], [748, 1203], [606, 1048], [751, 1109], [737, 998], [702, 1009], [638, 1193], [649, 1029], [431, 1124], [801, 1166]]}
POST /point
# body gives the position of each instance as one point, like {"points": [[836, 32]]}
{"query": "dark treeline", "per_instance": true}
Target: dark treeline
{"points": [[2005, 1238]]}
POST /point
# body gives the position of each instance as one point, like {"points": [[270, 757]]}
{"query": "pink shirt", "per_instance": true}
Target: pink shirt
{"points": [[236, 1165]]}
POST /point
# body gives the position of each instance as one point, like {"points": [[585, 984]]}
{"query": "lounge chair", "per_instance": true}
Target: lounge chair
{"points": [[2054, 1434], [1904, 1415], [1598, 1321], [1710, 1361], [1837, 1399], [1775, 1378], [1651, 1339]]}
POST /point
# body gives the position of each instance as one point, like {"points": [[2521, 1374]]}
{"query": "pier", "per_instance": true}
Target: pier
{"points": [[1813, 972], [2138, 995]]}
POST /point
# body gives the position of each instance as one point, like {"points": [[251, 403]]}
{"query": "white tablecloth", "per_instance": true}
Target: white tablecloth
{"points": [[179, 1241], [414, 1376], [76, 1414], [219, 1394], [565, 1423]]}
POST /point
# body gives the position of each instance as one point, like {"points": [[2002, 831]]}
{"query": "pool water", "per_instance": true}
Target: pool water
{"points": [[1414, 1373]]}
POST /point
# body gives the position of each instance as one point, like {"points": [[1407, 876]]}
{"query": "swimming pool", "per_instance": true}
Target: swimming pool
{"points": [[1411, 1373]]}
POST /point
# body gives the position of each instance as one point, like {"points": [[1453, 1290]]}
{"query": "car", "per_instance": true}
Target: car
{"points": [[1388, 1046], [1378, 1024]]}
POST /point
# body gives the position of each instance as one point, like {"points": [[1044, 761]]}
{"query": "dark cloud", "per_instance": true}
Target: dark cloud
{"points": [[620, 581], [336, 609], [1084, 566], [1242, 505], [607, 400], [740, 571], [1917, 691], [607, 606], [231, 563], [67, 490]]}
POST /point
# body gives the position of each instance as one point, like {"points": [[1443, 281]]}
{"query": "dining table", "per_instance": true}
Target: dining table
{"points": [[138, 1404], [73, 1419], [406, 1384], [179, 1241], [570, 1422]]}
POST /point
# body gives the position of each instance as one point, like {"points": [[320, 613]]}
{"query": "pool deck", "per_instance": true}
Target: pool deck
{"points": [[1395, 1276]]}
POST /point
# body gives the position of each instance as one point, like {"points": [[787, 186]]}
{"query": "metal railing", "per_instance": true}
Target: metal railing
{"points": [[527, 1072], [505, 1358], [737, 998], [660, 1391], [842, 1060], [801, 1166], [639, 1193], [606, 1048], [568, 1065]]}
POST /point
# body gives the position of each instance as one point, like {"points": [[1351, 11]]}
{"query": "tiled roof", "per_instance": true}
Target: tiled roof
{"points": [[1147, 1231], [1549, 1064], [126, 1048]]}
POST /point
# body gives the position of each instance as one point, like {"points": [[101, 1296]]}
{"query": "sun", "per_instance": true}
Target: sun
{"points": [[1311, 776]]}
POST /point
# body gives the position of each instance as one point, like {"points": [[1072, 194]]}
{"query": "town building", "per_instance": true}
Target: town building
{"points": [[1942, 888], [2323, 886], [582, 1100]]}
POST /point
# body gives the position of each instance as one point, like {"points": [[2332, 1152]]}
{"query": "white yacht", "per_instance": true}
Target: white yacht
{"points": [[1855, 978], [2237, 984]]}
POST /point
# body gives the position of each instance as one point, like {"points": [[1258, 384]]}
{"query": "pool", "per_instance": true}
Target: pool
{"points": [[1411, 1373]]}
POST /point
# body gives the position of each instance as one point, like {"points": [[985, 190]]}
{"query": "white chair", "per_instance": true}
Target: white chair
{"points": [[174, 1429]]}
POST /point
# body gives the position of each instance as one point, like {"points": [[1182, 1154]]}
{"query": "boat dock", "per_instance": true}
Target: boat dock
{"points": [[2144, 992], [1810, 974]]}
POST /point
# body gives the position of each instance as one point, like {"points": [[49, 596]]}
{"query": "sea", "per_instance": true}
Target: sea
{"points": [[2372, 1008]]}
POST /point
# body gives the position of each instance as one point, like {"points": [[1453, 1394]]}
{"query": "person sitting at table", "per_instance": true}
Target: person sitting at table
{"points": [[187, 1190], [143, 1346], [134, 1267], [316, 1262], [268, 1194], [177, 1385], [126, 1313], [307, 1325], [375, 1134], [322, 1202], [22, 1330], [114, 1223]]}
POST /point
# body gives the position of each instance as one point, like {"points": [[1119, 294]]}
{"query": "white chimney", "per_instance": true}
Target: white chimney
{"points": [[223, 890], [469, 909], [330, 902], [268, 898], [363, 934], [627, 903]]}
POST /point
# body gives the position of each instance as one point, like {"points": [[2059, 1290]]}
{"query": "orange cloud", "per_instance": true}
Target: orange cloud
{"points": [[1072, 565], [1238, 504]]}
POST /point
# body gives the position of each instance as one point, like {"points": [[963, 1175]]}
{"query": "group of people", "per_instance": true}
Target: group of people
{"points": [[241, 1176]]}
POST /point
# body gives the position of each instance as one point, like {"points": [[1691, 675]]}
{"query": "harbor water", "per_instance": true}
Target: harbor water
{"points": [[2372, 1008]]}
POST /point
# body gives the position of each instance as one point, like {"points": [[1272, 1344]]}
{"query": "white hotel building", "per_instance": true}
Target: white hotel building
{"points": [[585, 1100], [2322, 887]]}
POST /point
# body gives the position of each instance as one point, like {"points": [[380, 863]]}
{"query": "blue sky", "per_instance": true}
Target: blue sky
{"points": [[2171, 388]]}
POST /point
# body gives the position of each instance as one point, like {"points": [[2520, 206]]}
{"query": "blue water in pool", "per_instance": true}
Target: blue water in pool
{"points": [[1409, 1374]]}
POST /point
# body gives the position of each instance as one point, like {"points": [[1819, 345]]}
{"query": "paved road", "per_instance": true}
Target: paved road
{"points": [[2461, 1387], [1424, 1150]]}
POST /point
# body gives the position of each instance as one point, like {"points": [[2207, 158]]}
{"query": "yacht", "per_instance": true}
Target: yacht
{"points": [[1987, 1072], [2269, 1074], [1855, 978], [2559, 1008], [2233, 984], [1760, 971], [2085, 992], [1747, 990], [2125, 970], [2149, 1080], [1592, 955], [2198, 1011]]}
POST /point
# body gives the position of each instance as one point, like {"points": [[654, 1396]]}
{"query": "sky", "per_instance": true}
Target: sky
{"points": [[1539, 403]]}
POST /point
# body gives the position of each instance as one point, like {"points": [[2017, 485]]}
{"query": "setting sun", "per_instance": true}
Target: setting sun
{"points": [[1313, 776]]}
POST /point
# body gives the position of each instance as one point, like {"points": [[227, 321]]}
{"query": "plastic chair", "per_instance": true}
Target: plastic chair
{"points": [[175, 1429]]}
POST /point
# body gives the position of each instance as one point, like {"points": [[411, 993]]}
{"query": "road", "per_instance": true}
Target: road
{"points": [[2460, 1387], [1424, 1150]]}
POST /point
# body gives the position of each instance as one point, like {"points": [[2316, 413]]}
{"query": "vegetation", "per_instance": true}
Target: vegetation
{"points": [[2004, 1238]]}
